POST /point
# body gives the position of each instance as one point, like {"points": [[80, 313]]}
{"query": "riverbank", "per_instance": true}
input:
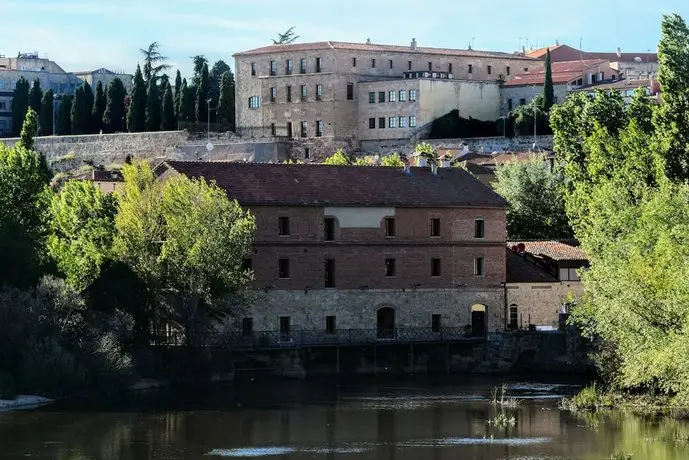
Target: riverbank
{"points": [[24, 402]]}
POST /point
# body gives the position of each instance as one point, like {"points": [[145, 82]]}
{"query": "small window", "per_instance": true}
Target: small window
{"points": [[381, 96], [302, 65], [389, 63], [283, 225], [307, 153], [412, 121], [435, 226], [392, 122], [435, 323], [408, 65], [273, 94], [436, 269], [318, 65], [284, 324], [330, 273], [304, 129], [489, 69], [507, 70], [350, 91], [526, 69], [288, 67], [303, 92], [371, 123], [573, 275], [392, 96], [522, 101], [449, 68], [389, 226], [353, 62], [253, 69], [273, 130], [389, 267], [479, 228], [273, 68], [403, 122], [471, 68], [412, 95], [509, 105], [288, 98], [430, 66], [381, 122], [514, 317], [329, 229], [283, 268], [247, 327], [329, 324], [478, 266], [373, 63], [254, 102], [246, 264], [319, 92], [371, 97], [403, 95], [319, 128]]}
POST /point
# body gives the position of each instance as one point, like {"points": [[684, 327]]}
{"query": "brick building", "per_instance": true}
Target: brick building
{"points": [[367, 248], [326, 94]]}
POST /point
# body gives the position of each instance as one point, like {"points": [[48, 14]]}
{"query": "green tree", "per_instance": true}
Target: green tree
{"points": [[20, 104], [548, 92], [286, 37], [523, 117], [88, 103], [45, 123], [113, 118], [186, 103], [226, 101], [392, 160], [154, 63], [215, 77], [339, 158], [29, 130], [136, 117], [153, 109], [81, 112], [201, 96], [168, 116], [99, 105], [199, 61], [64, 116], [35, 96], [82, 229], [178, 92]]}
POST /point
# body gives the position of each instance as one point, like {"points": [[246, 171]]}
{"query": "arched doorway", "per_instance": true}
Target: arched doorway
{"points": [[385, 323], [478, 320]]}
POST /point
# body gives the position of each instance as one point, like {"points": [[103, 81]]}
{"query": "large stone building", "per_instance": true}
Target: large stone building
{"points": [[105, 76], [329, 94], [368, 248]]}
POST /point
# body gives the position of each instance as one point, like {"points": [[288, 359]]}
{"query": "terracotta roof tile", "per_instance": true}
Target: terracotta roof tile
{"points": [[323, 185], [554, 250], [563, 72]]}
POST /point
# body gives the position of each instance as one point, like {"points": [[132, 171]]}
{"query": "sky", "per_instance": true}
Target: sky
{"points": [[89, 34]]}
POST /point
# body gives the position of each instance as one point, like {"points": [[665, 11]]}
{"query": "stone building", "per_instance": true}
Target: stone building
{"points": [[105, 76], [320, 93], [343, 248]]}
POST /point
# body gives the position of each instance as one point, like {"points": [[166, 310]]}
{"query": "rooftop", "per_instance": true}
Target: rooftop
{"points": [[573, 53], [551, 249], [563, 72], [521, 270], [325, 185]]}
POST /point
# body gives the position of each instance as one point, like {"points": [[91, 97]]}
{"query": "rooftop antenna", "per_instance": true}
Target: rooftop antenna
{"points": [[581, 49]]}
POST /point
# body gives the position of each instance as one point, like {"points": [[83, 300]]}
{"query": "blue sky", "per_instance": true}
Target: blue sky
{"points": [[87, 34]]}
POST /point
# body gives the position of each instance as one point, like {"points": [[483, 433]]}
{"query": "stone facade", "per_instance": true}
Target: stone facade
{"points": [[514, 96], [105, 76], [475, 144], [540, 304]]}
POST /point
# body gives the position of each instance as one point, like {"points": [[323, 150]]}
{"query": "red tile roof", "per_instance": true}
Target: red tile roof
{"points": [[372, 47], [563, 72], [570, 52], [555, 250], [324, 185]]}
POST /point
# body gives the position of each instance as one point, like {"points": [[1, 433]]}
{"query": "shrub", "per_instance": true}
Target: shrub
{"points": [[7, 389]]}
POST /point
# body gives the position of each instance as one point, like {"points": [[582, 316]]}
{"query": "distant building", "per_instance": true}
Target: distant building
{"points": [[626, 88], [108, 181], [105, 76]]}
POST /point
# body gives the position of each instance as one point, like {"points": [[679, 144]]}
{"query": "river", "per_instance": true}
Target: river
{"points": [[390, 419]]}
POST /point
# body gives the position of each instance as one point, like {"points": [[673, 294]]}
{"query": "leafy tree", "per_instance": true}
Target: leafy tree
{"points": [[199, 61], [393, 160], [45, 120], [136, 117], [201, 96], [186, 103], [215, 77], [153, 107], [286, 37], [154, 63], [339, 158], [29, 130], [534, 192], [35, 96], [20, 104], [82, 224], [522, 118], [113, 117], [178, 92], [64, 114], [168, 116], [548, 92], [98, 111], [226, 101]]}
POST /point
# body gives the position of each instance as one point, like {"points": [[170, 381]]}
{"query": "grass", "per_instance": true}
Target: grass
{"points": [[499, 398], [502, 420]]}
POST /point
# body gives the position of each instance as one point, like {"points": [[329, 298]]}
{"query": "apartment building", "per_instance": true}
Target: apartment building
{"points": [[320, 93], [367, 248]]}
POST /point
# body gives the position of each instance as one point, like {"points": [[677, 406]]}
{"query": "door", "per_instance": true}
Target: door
{"points": [[386, 323], [478, 320], [284, 328]]}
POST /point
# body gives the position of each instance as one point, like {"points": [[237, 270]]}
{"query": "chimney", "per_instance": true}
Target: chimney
{"points": [[368, 41], [524, 50], [413, 44], [619, 52], [557, 42]]}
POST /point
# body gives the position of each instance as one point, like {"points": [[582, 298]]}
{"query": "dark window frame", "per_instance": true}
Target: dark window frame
{"points": [[330, 324], [283, 226], [479, 266], [319, 128], [247, 326], [329, 229], [371, 123], [304, 129], [319, 65], [436, 322], [329, 273], [273, 68], [283, 269], [390, 267], [253, 69], [381, 122], [479, 228], [435, 227], [381, 97], [436, 267], [350, 91], [389, 227], [371, 97], [302, 65]]}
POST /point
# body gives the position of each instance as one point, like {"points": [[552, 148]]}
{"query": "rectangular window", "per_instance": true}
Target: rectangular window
{"points": [[371, 123], [514, 317], [329, 229], [289, 94], [353, 62], [283, 268], [283, 225], [471, 68], [288, 67], [371, 97], [403, 95], [318, 65], [273, 68], [389, 267], [509, 105], [302, 65], [303, 92], [329, 324], [403, 122], [289, 129], [478, 266], [526, 69], [272, 129], [435, 323], [273, 94], [350, 91], [284, 327], [392, 122], [489, 69], [381, 96], [430, 66], [564, 274], [449, 68], [246, 264], [253, 69], [389, 63], [435, 267], [381, 123], [319, 128], [254, 102], [412, 121], [373, 63], [319, 92], [408, 65], [330, 273], [435, 226], [479, 228], [304, 129], [522, 101], [247, 327], [412, 95], [392, 96], [307, 153], [389, 226], [507, 70]]}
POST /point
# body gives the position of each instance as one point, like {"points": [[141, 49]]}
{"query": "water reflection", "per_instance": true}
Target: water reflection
{"points": [[300, 420]]}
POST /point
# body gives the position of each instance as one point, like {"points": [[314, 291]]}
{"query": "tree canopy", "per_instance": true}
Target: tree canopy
{"points": [[287, 37]]}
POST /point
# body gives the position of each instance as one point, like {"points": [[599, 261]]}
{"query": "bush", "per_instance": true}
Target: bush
{"points": [[50, 369], [591, 398], [7, 389]]}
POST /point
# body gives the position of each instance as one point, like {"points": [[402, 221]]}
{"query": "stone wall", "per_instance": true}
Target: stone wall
{"points": [[475, 144], [539, 303]]}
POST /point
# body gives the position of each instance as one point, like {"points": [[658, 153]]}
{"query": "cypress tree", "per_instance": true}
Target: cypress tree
{"points": [[45, 118], [186, 103], [152, 106], [29, 130], [168, 121], [78, 119], [226, 100], [202, 95], [98, 108], [35, 96], [64, 122], [136, 117], [178, 89], [113, 118], [20, 104], [548, 92], [87, 107]]}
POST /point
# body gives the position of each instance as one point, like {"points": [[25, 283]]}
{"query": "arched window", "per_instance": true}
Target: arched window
{"points": [[513, 322]]}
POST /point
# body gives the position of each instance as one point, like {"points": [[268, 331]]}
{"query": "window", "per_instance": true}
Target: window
{"points": [[371, 97], [435, 226], [273, 94], [509, 105], [403, 96], [403, 122], [526, 69], [408, 65], [307, 153], [390, 226], [253, 69], [318, 65], [381, 96], [381, 122], [435, 323], [392, 96], [254, 102], [507, 70], [247, 327], [303, 92], [304, 129], [430, 66], [522, 101], [478, 266], [330, 273], [319, 128], [246, 264], [319, 92], [350, 91], [288, 67], [514, 317], [412, 121], [479, 228], [435, 267], [489, 69], [329, 324], [569, 274], [471, 68], [283, 225], [373, 63], [389, 63], [371, 123], [329, 229], [273, 68], [272, 129], [289, 94], [3, 105], [353, 62], [289, 129], [412, 95], [283, 268], [284, 327], [390, 267], [302, 65], [392, 122]]}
